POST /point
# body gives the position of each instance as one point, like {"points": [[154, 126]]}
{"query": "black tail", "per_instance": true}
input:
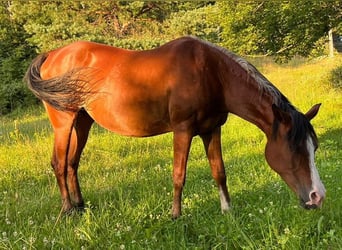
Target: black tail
{"points": [[67, 92]]}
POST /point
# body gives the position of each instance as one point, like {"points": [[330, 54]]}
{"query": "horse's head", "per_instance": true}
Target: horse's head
{"points": [[290, 152]]}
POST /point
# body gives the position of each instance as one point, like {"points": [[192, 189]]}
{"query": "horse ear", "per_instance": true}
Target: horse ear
{"points": [[313, 111], [281, 115]]}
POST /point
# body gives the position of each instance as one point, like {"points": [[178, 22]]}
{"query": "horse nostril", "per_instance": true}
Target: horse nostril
{"points": [[314, 196], [315, 200]]}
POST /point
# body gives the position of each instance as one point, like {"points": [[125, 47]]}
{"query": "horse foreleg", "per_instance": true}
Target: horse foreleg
{"points": [[78, 140], [212, 144], [181, 147]]}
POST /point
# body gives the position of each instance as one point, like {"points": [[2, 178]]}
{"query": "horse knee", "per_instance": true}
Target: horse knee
{"points": [[58, 168]]}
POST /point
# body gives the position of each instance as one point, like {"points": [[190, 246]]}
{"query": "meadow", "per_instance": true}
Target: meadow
{"points": [[127, 184]]}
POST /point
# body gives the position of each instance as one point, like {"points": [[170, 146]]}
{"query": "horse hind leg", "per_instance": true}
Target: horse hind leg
{"points": [[212, 144], [62, 124], [79, 136]]}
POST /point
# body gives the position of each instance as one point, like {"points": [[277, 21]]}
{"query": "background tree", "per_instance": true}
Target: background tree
{"points": [[280, 28], [15, 55], [197, 22]]}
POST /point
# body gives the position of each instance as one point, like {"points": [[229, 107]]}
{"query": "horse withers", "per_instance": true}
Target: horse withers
{"points": [[187, 87]]}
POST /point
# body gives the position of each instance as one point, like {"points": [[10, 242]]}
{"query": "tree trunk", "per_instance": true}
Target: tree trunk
{"points": [[331, 43]]}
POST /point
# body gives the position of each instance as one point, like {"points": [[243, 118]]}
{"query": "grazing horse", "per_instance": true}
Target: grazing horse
{"points": [[188, 87]]}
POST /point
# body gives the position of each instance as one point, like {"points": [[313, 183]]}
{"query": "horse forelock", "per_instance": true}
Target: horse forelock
{"points": [[301, 128], [300, 131]]}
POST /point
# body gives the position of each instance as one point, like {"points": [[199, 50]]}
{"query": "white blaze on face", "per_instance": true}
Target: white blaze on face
{"points": [[317, 186]]}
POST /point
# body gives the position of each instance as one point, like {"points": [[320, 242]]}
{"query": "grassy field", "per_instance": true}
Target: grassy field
{"points": [[127, 184]]}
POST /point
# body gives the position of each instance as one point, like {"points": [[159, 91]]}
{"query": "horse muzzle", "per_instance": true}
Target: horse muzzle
{"points": [[316, 198]]}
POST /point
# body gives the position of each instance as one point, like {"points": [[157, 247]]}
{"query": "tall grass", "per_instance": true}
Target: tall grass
{"points": [[127, 184]]}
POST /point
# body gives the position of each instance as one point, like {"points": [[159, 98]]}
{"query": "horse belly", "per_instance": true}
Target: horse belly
{"points": [[139, 119]]}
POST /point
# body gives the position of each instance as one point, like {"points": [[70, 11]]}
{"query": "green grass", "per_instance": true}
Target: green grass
{"points": [[127, 184]]}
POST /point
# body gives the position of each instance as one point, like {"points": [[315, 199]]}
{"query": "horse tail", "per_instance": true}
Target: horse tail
{"points": [[67, 92]]}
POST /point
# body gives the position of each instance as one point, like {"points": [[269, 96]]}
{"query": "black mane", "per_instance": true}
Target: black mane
{"points": [[301, 126]]}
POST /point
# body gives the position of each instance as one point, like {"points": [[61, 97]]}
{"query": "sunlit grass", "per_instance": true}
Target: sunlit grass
{"points": [[127, 184]]}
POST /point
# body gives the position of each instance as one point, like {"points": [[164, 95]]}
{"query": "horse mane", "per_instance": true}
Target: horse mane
{"points": [[301, 127]]}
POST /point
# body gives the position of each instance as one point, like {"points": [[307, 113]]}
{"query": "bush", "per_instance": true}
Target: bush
{"points": [[336, 77], [13, 92]]}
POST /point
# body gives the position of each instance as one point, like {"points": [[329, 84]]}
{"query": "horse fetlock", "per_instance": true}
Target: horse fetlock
{"points": [[176, 212], [225, 208], [67, 207]]}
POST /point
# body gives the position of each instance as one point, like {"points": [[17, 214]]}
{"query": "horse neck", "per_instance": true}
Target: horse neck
{"points": [[252, 102]]}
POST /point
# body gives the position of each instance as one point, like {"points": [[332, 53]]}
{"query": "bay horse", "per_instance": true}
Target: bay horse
{"points": [[186, 86]]}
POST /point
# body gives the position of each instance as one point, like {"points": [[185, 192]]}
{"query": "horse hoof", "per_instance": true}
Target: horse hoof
{"points": [[80, 208], [68, 212], [74, 210], [175, 216]]}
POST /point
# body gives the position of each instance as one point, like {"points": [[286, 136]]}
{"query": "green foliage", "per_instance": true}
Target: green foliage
{"points": [[56, 23], [239, 34], [280, 28], [15, 54], [108, 21], [336, 77], [196, 22]]}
